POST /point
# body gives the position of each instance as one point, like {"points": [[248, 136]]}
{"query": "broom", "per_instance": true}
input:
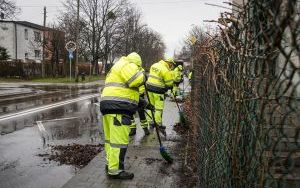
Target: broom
{"points": [[182, 119], [162, 149]]}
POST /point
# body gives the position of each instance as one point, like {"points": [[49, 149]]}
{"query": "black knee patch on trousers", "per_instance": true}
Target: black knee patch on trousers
{"points": [[126, 120], [122, 158]]}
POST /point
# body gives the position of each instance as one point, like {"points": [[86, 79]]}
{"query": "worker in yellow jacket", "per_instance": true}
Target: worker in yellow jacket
{"points": [[190, 76], [119, 101], [160, 80], [178, 78]]}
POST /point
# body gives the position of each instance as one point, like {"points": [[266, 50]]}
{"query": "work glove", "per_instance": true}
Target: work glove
{"points": [[181, 79], [142, 103], [150, 107], [142, 95], [166, 95]]}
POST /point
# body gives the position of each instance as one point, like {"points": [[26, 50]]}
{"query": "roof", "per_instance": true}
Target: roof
{"points": [[27, 24]]}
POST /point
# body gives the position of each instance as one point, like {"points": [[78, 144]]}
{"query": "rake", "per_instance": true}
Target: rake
{"points": [[182, 118], [162, 149]]}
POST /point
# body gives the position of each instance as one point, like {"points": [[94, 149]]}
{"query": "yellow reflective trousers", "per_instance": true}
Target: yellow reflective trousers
{"points": [[116, 129], [158, 101]]}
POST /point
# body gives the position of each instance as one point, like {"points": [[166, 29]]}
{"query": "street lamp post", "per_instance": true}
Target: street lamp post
{"points": [[111, 16], [77, 37]]}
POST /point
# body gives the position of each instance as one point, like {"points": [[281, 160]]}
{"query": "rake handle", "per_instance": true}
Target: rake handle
{"points": [[153, 117], [176, 101]]}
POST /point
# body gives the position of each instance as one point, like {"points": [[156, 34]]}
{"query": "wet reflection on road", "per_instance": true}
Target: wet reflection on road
{"points": [[13, 99], [32, 134]]}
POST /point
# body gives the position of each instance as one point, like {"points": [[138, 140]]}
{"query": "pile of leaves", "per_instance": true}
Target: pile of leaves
{"points": [[178, 99], [75, 154], [180, 128]]}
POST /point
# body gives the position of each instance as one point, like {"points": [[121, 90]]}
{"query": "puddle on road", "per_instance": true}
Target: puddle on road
{"points": [[20, 163], [76, 109], [81, 128], [34, 96], [8, 90]]}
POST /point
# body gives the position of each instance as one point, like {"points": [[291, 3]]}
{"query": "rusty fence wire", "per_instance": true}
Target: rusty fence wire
{"points": [[246, 92]]}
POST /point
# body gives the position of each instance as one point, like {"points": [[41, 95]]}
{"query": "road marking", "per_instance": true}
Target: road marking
{"points": [[61, 119], [41, 126], [47, 107]]}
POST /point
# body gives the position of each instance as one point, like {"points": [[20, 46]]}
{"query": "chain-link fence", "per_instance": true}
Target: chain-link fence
{"points": [[246, 92]]}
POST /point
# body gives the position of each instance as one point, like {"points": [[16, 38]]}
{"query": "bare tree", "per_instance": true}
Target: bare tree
{"points": [[138, 37], [98, 18], [55, 48], [8, 9], [110, 29], [196, 35]]}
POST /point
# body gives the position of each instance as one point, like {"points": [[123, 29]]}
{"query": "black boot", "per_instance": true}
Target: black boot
{"points": [[123, 176], [146, 131], [132, 132]]}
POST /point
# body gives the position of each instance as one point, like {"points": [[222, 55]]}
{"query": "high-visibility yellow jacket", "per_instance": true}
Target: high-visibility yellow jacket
{"points": [[177, 75], [141, 89], [160, 78], [190, 75], [121, 92]]}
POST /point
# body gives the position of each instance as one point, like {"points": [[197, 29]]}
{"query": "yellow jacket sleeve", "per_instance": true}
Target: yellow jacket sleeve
{"points": [[133, 75], [177, 75], [168, 77]]}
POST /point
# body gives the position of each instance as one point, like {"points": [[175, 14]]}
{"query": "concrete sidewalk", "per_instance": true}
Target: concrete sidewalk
{"points": [[143, 158]]}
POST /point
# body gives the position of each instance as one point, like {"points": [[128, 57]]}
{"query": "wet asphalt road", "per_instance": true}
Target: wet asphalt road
{"points": [[43, 116], [17, 97]]}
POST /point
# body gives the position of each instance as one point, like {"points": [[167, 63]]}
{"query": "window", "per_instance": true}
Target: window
{"points": [[26, 55], [37, 36], [26, 34], [37, 54]]}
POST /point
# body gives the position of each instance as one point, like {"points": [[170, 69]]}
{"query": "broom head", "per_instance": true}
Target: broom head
{"points": [[165, 154]]}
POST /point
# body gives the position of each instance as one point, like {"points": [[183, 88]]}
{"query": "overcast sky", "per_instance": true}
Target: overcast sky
{"points": [[171, 18]]}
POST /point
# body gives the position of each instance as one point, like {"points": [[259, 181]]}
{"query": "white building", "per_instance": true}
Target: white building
{"points": [[23, 40]]}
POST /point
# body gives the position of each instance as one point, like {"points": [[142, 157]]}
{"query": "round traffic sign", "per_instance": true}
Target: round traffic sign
{"points": [[71, 46]]}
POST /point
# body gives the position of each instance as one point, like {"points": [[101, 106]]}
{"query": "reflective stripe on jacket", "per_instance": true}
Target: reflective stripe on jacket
{"points": [[160, 78], [121, 94]]}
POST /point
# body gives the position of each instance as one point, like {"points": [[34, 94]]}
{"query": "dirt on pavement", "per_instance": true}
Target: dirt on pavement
{"points": [[76, 155]]}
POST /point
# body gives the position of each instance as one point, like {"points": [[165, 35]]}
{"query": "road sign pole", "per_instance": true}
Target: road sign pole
{"points": [[71, 47], [91, 68], [70, 69]]}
